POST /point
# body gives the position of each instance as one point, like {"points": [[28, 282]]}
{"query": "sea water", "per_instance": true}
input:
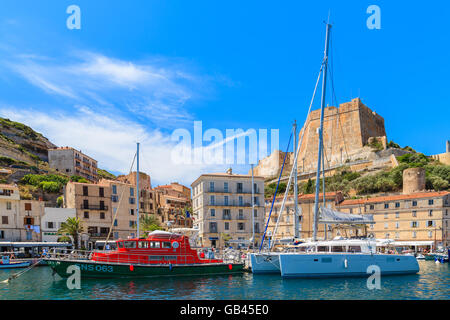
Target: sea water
{"points": [[432, 282]]}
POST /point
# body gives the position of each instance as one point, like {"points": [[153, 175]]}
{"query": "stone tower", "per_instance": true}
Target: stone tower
{"points": [[413, 180], [347, 130]]}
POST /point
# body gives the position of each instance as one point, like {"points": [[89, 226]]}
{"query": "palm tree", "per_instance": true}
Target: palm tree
{"points": [[150, 222], [73, 227]]}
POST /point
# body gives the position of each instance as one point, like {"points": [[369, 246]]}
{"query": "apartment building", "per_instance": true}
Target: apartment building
{"points": [[418, 217], [93, 207], [147, 197], [172, 201], [9, 212], [20, 219], [52, 220], [222, 205], [73, 162], [123, 208]]}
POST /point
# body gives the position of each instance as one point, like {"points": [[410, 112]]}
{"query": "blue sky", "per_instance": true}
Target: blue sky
{"points": [[138, 70]]}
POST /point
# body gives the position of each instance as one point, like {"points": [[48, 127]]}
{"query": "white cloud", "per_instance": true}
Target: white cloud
{"points": [[156, 90], [112, 141]]}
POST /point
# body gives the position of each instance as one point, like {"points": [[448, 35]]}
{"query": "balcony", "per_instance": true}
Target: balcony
{"points": [[6, 193], [226, 217], [97, 235], [94, 207], [232, 204], [241, 191]]}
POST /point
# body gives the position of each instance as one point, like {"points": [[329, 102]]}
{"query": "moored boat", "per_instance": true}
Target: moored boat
{"points": [[161, 254], [7, 263], [343, 258]]}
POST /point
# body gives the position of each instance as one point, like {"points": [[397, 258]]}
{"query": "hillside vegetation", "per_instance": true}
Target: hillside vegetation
{"points": [[437, 177]]}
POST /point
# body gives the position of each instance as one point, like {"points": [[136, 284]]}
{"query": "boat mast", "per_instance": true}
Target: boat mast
{"points": [[319, 154], [296, 236], [137, 189]]}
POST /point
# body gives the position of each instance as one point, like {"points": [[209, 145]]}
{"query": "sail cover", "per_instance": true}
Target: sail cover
{"points": [[332, 216]]}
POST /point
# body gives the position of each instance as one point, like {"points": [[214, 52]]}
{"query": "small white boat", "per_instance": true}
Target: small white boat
{"points": [[420, 257], [6, 263]]}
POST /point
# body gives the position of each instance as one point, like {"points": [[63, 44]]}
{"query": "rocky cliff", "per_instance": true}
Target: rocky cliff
{"points": [[21, 143]]}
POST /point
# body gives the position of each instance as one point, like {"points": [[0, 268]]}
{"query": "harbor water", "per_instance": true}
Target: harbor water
{"points": [[432, 282]]}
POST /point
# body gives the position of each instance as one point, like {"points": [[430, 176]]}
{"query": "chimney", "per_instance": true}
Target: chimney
{"points": [[448, 146], [230, 171]]}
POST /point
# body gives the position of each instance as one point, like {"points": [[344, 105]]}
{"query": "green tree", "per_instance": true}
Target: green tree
{"points": [[149, 222], [60, 201], [225, 237], [309, 187], [73, 227]]}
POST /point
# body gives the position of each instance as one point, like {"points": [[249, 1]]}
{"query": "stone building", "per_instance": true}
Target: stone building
{"points": [[416, 215], [444, 157], [73, 162], [222, 205], [93, 207], [346, 131], [172, 201], [270, 166], [353, 135]]}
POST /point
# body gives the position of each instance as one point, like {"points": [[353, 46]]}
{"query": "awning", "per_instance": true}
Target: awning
{"points": [[213, 238], [411, 243], [330, 216]]}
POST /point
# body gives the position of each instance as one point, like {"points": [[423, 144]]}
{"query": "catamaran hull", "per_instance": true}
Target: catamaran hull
{"points": [[351, 265], [265, 263], [89, 269]]}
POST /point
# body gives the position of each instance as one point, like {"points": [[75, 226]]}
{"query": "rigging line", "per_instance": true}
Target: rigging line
{"points": [[275, 194], [118, 205], [297, 153], [334, 98]]}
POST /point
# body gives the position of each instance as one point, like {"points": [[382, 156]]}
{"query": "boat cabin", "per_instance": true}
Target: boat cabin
{"points": [[160, 247], [338, 246]]}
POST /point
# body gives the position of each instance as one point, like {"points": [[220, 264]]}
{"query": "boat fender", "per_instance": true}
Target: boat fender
{"points": [[230, 266], [131, 267], [345, 263], [170, 266]]}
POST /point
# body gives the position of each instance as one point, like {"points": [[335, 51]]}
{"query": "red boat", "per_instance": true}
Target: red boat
{"points": [[162, 253], [159, 248]]}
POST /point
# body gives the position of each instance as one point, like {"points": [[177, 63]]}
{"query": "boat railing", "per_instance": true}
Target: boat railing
{"points": [[112, 256]]}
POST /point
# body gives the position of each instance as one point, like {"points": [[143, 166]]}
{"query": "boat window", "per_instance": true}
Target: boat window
{"points": [[322, 249], [354, 248], [155, 244], [302, 249], [337, 249], [164, 258], [130, 244], [166, 245], [143, 244], [120, 244]]}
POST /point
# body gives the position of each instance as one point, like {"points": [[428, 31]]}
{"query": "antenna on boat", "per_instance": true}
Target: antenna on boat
{"points": [[319, 154], [137, 189]]}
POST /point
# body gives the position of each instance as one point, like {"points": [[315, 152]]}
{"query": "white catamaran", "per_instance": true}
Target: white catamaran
{"points": [[335, 258]]}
